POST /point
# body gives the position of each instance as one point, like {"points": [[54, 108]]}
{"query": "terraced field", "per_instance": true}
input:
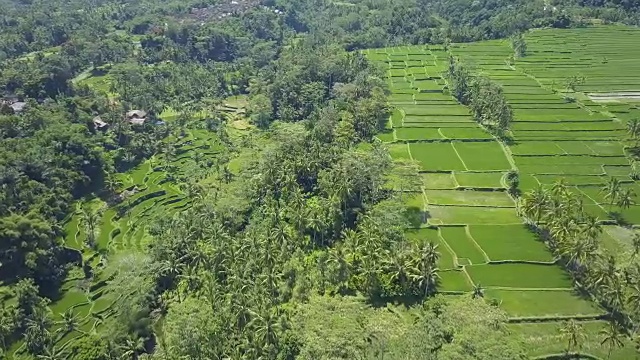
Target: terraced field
{"points": [[123, 227], [466, 209]]}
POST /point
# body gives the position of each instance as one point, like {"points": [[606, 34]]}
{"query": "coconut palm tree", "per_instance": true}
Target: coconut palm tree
{"points": [[533, 203], [69, 321], [635, 243], [89, 218], [266, 326], [633, 129], [52, 353], [7, 326], [477, 292], [611, 190], [112, 183], [132, 347], [626, 198], [397, 264], [573, 333], [611, 337], [591, 227]]}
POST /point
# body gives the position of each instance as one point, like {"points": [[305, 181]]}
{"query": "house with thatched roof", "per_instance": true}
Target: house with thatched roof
{"points": [[137, 117], [99, 124], [18, 106]]}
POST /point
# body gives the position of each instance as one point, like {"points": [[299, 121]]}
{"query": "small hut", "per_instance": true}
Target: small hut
{"points": [[99, 124], [137, 117]]}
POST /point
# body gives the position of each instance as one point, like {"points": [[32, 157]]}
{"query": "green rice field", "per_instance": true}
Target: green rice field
{"points": [[467, 211], [124, 227]]}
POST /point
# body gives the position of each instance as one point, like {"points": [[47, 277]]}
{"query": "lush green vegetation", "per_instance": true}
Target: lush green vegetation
{"points": [[302, 178], [557, 137]]}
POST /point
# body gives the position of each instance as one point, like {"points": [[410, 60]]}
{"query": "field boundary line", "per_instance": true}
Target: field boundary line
{"points": [[464, 269], [486, 256], [409, 151], [592, 199], [459, 157], [507, 288], [450, 249]]}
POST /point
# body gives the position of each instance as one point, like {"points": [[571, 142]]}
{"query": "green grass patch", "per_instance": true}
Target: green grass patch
{"points": [[536, 148], [520, 276], [469, 197], [606, 148], [565, 169], [454, 280], [575, 148], [436, 156], [462, 245], [630, 215], [465, 133], [573, 179], [483, 156], [527, 183], [70, 298], [532, 303], [386, 136], [424, 133], [439, 181], [414, 208], [422, 110], [543, 338], [396, 118], [399, 151], [570, 160], [412, 120], [623, 170], [458, 215], [479, 180], [509, 242]]}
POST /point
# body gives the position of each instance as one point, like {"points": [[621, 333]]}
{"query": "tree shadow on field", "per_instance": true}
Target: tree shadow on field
{"points": [[416, 216], [617, 217]]}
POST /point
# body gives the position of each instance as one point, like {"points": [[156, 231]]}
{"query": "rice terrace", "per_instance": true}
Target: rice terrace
{"points": [[570, 132], [319, 179]]}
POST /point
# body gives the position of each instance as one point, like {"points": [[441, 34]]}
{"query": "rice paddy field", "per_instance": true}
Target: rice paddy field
{"points": [[124, 226], [557, 134], [153, 195]]}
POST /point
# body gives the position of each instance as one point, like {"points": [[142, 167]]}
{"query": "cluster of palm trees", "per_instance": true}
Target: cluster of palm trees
{"points": [[310, 217], [611, 336], [573, 236], [484, 97], [615, 194]]}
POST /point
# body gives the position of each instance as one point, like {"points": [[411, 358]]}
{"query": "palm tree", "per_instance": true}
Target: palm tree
{"points": [[266, 327], [112, 183], [573, 333], [132, 347], [533, 203], [69, 321], [90, 219], [429, 253], [426, 278], [591, 227], [626, 198], [340, 265], [611, 190], [633, 128], [612, 337], [52, 353], [477, 292], [635, 242], [6, 329], [397, 264]]}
